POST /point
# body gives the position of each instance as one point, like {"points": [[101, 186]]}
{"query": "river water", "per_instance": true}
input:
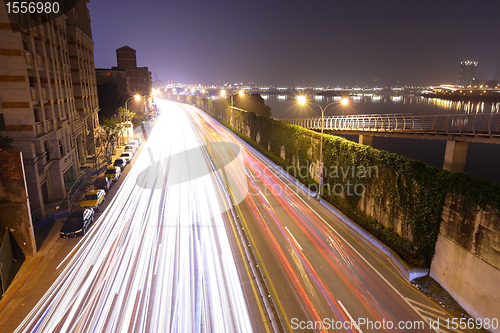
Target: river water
{"points": [[483, 160]]}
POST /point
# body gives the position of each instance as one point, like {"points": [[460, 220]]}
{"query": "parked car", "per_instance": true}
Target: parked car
{"points": [[102, 183], [93, 199], [77, 223], [127, 156], [135, 143], [130, 148], [121, 163], [138, 140], [113, 173]]}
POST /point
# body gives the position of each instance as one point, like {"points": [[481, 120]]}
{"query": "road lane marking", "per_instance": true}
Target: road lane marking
{"points": [[278, 176], [294, 239], [425, 306], [350, 317], [268, 164]]}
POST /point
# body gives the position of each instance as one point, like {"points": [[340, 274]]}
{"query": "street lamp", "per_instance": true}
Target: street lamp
{"points": [[137, 98], [303, 100]]}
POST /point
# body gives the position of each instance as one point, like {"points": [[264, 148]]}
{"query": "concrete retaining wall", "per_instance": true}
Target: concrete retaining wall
{"points": [[467, 259]]}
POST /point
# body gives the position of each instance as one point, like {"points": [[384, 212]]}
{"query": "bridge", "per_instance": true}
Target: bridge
{"points": [[457, 129]]}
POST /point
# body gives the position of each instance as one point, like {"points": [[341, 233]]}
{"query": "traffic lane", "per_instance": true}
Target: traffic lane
{"points": [[321, 283], [279, 280], [304, 288], [410, 313], [117, 235], [259, 319], [383, 273]]}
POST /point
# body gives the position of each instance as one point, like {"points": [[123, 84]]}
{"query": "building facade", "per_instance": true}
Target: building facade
{"points": [[137, 80], [81, 55], [40, 108], [467, 73]]}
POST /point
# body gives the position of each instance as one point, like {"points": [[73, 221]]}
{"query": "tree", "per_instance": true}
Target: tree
{"points": [[252, 103], [5, 142], [111, 130], [123, 115]]}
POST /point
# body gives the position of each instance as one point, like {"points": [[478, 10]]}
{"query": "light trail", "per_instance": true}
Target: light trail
{"points": [[158, 259], [357, 282]]}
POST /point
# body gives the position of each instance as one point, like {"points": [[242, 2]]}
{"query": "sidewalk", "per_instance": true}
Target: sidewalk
{"points": [[12, 302]]}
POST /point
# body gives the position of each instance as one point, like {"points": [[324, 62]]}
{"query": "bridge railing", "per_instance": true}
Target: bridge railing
{"points": [[484, 124]]}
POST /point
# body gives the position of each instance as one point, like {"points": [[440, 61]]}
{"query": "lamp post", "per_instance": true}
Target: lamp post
{"points": [[303, 100], [137, 98], [241, 93]]}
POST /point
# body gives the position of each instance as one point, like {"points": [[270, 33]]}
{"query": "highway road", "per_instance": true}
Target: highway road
{"points": [[164, 255], [159, 258], [322, 276]]}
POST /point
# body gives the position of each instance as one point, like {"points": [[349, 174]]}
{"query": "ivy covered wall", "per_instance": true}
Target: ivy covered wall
{"points": [[397, 199]]}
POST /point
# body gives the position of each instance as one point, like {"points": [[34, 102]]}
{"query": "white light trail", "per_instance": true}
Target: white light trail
{"points": [[158, 259]]}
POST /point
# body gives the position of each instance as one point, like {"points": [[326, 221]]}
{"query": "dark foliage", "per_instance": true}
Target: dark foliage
{"points": [[252, 103]]}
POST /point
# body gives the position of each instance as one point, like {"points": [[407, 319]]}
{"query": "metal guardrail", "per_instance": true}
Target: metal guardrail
{"points": [[485, 125]]}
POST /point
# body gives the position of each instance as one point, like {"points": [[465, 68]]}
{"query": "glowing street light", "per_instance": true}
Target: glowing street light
{"points": [[241, 93], [137, 98], [303, 100], [223, 93]]}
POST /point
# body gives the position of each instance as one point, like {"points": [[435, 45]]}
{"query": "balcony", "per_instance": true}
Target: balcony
{"points": [[29, 58], [34, 94], [61, 121], [39, 129]]}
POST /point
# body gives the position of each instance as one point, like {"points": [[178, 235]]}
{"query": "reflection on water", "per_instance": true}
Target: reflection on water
{"points": [[285, 106], [482, 159]]}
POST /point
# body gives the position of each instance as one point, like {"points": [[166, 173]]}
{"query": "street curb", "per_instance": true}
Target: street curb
{"points": [[406, 270]]}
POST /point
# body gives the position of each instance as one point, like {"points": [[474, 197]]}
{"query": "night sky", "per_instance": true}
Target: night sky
{"points": [[295, 43]]}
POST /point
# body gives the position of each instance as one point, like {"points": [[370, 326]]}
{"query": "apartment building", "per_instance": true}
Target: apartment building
{"points": [[48, 98]]}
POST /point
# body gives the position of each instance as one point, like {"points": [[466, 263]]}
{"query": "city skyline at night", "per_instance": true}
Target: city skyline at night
{"points": [[360, 43]]}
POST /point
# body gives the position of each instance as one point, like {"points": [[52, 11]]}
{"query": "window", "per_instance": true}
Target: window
{"points": [[61, 150], [2, 122]]}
